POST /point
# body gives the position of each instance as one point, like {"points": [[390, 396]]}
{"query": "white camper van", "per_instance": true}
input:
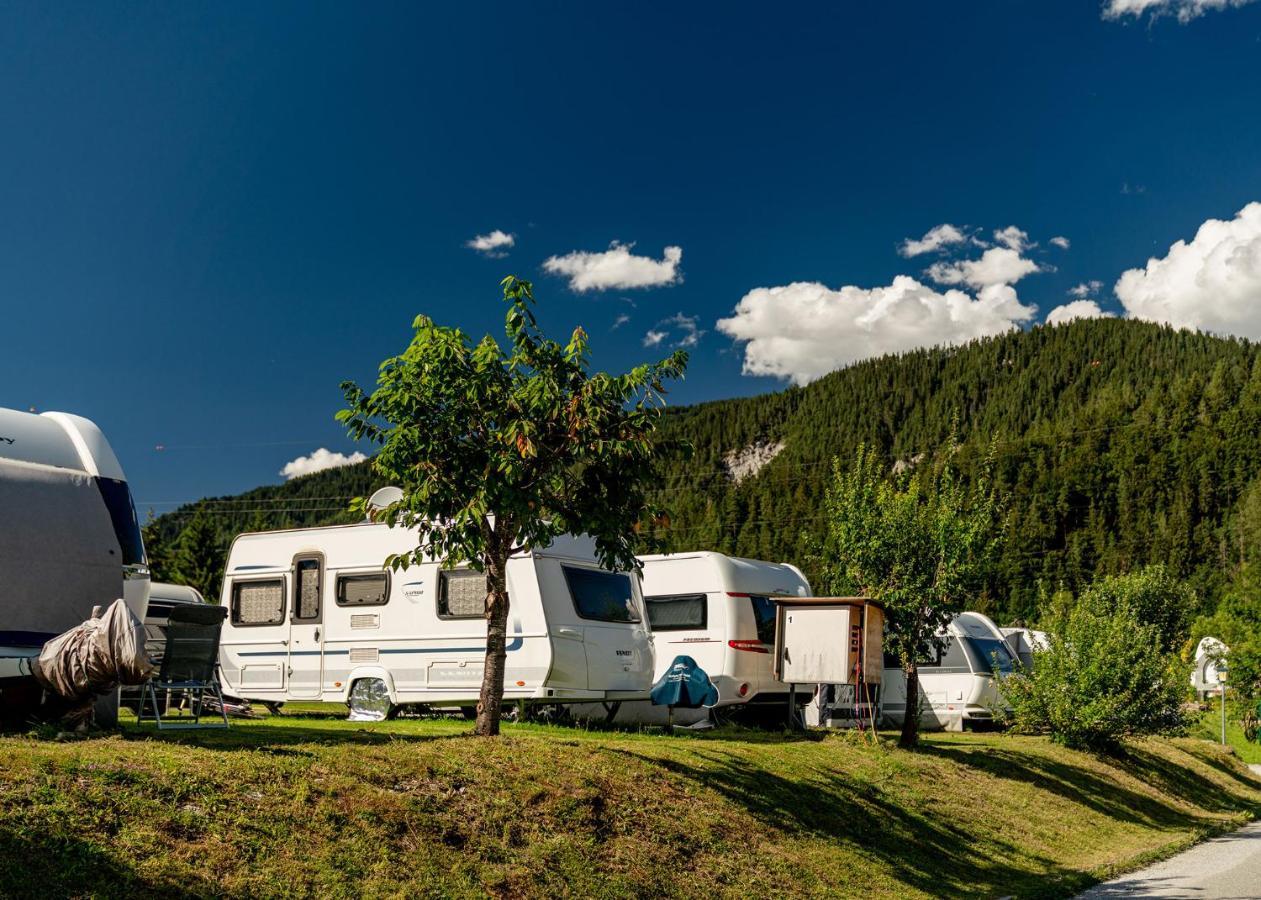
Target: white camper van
{"points": [[718, 610], [69, 539], [313, 615], [959, 683]]}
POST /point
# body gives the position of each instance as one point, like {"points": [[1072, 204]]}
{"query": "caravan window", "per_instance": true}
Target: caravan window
{"points": [[989, 654], [764, 616], [363, 590], [601, 596], [951, 659], [462, 594], [258, 602], [306, 590], [679, 613]]}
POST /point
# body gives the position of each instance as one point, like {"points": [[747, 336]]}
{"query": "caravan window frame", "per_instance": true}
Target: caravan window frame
{"points": [[637, 615], [343, 577], [676, 598], [440, 598], [234, 599], [295, 597]]}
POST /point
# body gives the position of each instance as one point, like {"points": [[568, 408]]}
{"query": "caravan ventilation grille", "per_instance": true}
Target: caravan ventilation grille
{"points": [[363, 654], [365, 620]]}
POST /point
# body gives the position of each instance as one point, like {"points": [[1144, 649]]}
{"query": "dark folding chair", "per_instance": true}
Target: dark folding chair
{"points": [[189, 667]]}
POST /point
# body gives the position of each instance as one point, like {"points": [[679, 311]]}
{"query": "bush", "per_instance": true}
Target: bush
{"points": [[1102, 677], [1155, 598]]}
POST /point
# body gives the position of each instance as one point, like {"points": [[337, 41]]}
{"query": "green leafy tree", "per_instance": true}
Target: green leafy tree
{"points": [[920, 544], [156, 547], [197, 557], [496, 450], [1154, 597], [1101, 678]]}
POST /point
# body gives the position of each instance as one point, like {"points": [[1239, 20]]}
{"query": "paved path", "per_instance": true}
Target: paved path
{"points": [[1225, 868]]}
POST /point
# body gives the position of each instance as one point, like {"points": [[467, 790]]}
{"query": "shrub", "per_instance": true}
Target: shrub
{"points": [[1102, 677]]}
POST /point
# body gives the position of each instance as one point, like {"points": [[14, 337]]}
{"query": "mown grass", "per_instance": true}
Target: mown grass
{"points": [[301, 805], [1209, 727]]}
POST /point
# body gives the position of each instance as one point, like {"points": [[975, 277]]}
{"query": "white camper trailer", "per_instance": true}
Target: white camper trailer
{"points": [[314, 615], [1208, 676], [1024, 643], [69, 539], [959, 684], [718, 610]]}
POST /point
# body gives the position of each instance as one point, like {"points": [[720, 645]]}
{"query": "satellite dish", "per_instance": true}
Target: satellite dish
{"points": [[382, 498]]}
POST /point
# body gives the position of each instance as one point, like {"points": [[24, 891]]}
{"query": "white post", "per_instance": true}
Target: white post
{"points": [[1223, 713]]}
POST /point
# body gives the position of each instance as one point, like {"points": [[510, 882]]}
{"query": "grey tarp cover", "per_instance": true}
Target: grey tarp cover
{"points": [[96, 656]]}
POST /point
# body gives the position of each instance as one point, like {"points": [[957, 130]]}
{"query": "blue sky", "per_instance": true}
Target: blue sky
{"points": [[211, 214]]}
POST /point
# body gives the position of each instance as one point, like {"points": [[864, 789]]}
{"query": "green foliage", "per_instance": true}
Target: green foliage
{"points": [[496, 449], [919, 544], [1101, 678], [1153, 596], [197, 558]]}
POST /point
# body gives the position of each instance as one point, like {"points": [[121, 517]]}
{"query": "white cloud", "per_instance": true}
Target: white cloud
{"points": [[318, 461], [621, 320], [1060, 241], [495, 244], [1184, 10], [1078, 309], [1012, 238], [1212, 283], [803, 330], [653, 338], [943, 235], [1085, 289], [616, 268], [997, 265], [688, 334]]}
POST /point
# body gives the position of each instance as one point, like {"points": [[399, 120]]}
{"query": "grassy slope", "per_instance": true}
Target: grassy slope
{"points": [[315, 806]]}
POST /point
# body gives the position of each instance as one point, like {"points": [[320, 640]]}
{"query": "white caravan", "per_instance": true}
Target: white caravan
{"points": [[1024, 643], [1209, 673], [314, 615], [69, 539], [959, 683], [717, 610]]}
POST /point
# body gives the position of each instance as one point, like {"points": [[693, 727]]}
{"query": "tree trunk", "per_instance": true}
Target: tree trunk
{"points": [[491, 701], [910, 721]]}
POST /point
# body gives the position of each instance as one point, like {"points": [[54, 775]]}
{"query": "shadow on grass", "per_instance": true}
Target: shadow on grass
{"points": [[280, 739], [37, 865], [1093, 791], [915, 846]]}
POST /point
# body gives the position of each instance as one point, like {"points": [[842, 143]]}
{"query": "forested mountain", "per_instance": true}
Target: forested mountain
{"points": [[1116, 443]]}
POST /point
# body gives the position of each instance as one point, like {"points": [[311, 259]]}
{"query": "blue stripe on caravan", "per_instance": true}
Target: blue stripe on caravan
{"points": [[516, 644]]}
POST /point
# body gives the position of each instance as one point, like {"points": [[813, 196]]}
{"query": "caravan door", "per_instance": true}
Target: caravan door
{"points": [[306, 628], [619, 651]]}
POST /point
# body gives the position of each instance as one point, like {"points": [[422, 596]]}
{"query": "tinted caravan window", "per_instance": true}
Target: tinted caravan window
{"points": [[122, 514], [258, 602], [685, 612], [764, 615], [601, 596], [989, 654]]}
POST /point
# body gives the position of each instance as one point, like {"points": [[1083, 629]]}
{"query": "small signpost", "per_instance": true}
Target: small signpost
{"points": [[1222, 669]]}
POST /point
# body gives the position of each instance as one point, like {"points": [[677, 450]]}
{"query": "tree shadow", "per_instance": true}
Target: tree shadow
{"points": [[1103, 795], [913, 844], [279, 739], [37, 864]]}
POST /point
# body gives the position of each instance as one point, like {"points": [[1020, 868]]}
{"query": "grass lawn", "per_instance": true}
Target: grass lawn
{"points": [[303, 804], [1209, 727]]}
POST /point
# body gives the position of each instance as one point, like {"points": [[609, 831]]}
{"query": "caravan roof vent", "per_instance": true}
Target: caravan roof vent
{"points": [[383, 497]]}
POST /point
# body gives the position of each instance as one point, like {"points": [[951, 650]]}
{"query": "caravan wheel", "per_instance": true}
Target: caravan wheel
{"points": [[369, 701]]}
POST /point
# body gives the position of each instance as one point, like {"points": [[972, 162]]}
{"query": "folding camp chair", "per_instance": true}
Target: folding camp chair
{"points": [[189, 667]]}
